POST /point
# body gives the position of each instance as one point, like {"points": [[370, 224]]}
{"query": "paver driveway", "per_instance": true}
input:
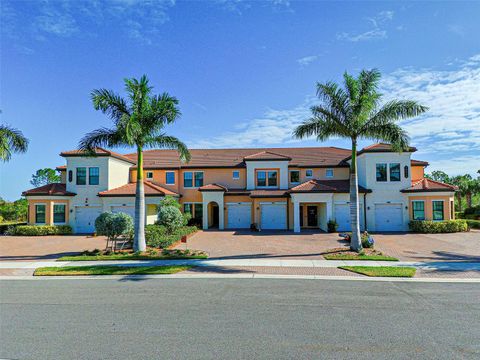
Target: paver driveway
{"points": [[311, 245]]}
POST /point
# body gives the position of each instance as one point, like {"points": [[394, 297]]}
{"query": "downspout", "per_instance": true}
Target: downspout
{"points": [[365, 211]]}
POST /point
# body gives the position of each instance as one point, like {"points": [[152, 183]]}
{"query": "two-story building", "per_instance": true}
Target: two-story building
{"points": [[274, 188]]}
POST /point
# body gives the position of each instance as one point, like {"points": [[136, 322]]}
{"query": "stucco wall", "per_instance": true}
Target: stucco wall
{"points": [[418, 172], [429, 207], [49, 202], [282, 167]]}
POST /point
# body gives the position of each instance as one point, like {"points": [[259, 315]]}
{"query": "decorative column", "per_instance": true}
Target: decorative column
{"points": [[296, 216]]}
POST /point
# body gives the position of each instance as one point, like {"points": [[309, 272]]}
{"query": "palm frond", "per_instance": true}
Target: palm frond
{"points": [[398, 110], [163, 141], [102, 137], [110, 103], [388, 132], [11, 141]]}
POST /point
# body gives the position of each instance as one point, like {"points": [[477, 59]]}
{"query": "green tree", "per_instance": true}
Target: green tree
{"points": [[44, 177], [463, 182], [355, 112], [11, 141], [139, 121], [439, 175], [14, 211]]}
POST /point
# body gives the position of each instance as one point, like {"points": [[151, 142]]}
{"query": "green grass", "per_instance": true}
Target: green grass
{"points": [[340, 256], [109, 270], [129, 257], [381, 271]]}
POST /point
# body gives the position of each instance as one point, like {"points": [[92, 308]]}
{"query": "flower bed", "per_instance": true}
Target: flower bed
{"points": [[347, 254]]}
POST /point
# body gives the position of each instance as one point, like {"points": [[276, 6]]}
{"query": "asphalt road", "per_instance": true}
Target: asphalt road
{"points": [[238, 319]]}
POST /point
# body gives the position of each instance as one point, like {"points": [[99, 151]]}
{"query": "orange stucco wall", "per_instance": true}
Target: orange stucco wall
{"points": [[48, 210], [417, 173], [429, 207], [320, 173]]}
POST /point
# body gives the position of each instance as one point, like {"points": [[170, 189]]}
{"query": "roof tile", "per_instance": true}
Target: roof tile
{"points": [[151, 189], [428, 185], [54, 189]]}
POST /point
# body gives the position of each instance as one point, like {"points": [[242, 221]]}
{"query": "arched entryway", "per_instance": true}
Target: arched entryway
{"points": [[213, 215]]}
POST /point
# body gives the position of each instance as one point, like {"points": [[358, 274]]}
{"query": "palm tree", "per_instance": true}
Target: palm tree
{"points": [[11, 141], [354, 112], [139, 122]]}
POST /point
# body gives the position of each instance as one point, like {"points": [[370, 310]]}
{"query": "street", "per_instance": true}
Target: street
{"points": [[237, 319]]}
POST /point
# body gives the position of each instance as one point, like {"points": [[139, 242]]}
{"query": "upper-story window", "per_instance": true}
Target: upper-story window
{"points": [[81, 176], [381, 172], [267, 178], [329, 173], [149, 174], [93, 176], [190, 178], [170, 178], [309, 173], [294, 176], [395, 172], [235, 175]]}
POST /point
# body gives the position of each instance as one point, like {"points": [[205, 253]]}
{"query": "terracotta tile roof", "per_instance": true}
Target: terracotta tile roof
{"points": [[427, 185], [212, 187], [220, 158], [267, 155], [99, 152], [151, 189], [382, 147], [61, 168], [268, 193], [326, 186], [55, 189], [419, 163]]}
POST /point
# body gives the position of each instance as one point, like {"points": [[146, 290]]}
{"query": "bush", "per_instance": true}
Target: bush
{"points": [[474, 210], [42, 230], [432, 227], [367, 240], [473, 224], [113, 225], [170, 216], [332, 226], [158, 236], [5, 228]]}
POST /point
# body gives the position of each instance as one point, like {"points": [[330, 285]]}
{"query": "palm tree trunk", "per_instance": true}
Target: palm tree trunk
{"points": [[459, 200], [355, 242], [468, 196], [139, 238]]}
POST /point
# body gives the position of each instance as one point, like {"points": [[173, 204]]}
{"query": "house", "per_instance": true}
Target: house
{"points": [[274, 188]]}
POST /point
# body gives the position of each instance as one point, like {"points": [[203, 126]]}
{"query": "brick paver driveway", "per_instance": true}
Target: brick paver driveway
{"points": [[311, 245], [46, 247]]}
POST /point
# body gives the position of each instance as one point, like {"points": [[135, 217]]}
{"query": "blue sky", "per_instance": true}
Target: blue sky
{"points": [[244, 72]]}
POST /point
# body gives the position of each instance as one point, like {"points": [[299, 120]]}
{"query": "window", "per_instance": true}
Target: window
{"points": [[188, 179], [395, 172], [170, 178], [40, 214], [70, 175], [236, 175], [452, 211], [261, 178], [405, 171], [198, 212], [309, 173], [381, 172], [329, 173], [81, 176], [272, 178], [294, 176], [187, 208], [59, 213], [93, 175], [198, 178], [149, 174], [418, 210], [267, 178], [437, 208]]}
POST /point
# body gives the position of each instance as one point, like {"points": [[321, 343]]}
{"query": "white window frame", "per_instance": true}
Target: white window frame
{"points": [[424, 210], [236, 177], [147, 173], [443, 209], [306, 173], [35, 207], [386, 173], [53, 213], [399, 172], [174, 178], [326, 173], [193, 179], [290, 177], [266, 171]]}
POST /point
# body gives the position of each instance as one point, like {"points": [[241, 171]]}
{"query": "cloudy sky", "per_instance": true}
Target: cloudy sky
{"points": [[244, 72]]}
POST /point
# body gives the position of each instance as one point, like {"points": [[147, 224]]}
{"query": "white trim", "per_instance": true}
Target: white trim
{"points": [[424, 213], [273, 203], [35, 206], [239, 203], [443, 209], [53, 213], [193, 179], [148, 172], [174, 178], [266, 171], [233, 175], [329, 176], [308, 176]]}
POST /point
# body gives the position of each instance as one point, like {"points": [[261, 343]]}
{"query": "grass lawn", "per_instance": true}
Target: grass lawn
{"points": [[122, 256], [343, 256], [381, 271], [109, 270]]}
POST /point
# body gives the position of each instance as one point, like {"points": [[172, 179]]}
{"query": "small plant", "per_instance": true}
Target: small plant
{"points": [[332, 226], [367, 241], [113, 226], [170, 216]]}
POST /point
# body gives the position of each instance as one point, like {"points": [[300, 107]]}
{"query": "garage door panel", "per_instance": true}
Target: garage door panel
{"points": [[239, 216], [273, 216], [85, 217], [342, 217], [388, 217], [129, 210]]}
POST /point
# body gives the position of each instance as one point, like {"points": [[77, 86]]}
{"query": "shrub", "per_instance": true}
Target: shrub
{"points": [[367, 240], [113, 225], [6, 228], [41, 230], [474, 210], [159, 237], [332, 226], [473, 224], [170, 216], [432, 227]]}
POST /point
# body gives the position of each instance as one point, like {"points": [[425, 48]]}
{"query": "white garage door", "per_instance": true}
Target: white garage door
{"points": [[129, 210], [274, 216], [85, 218], [239, 215], [388, 217], [342, 216]]}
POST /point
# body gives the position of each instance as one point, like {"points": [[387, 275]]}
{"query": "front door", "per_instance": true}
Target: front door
{"points": [[312, 219], [215, 216]]}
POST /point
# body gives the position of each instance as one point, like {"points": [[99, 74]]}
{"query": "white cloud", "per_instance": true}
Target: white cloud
{"points": [[376, 32], [307, 60]]}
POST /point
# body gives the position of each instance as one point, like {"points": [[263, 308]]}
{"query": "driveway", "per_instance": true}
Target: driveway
{"points": [[311, 245], [46, 247]]}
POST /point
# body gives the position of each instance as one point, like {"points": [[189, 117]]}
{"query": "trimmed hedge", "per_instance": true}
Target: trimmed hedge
{"points": [[473, 224], [158, 236], [42, 230], [432, 227], [4, 227]]}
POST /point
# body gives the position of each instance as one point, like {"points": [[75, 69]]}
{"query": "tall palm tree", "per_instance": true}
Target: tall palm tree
{"points": [[355, 112], [11, 141], [139, 122]]}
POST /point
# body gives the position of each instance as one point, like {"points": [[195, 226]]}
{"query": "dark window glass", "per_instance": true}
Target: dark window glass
{"points": [[329, 173], [437, 210], [187, 179], [82, 176], [261, 178], [272, 178], [381, 172], [198, 179], [395, 172], [149, 175], [93, 176], [294, 176], [40, 214], [309, 173], [70, 175], [236, 174], [198, 209], [405, 171], [418, 208], [187, 208], [170, 178], [58, 213]]}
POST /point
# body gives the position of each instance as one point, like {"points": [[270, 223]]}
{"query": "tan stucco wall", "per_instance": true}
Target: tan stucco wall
{"points": [[320, 173], [429, 206], [48, 210], [417, 173]]}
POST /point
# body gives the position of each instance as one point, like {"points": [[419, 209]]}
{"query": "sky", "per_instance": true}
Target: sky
{"points": [[244, 72]]}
